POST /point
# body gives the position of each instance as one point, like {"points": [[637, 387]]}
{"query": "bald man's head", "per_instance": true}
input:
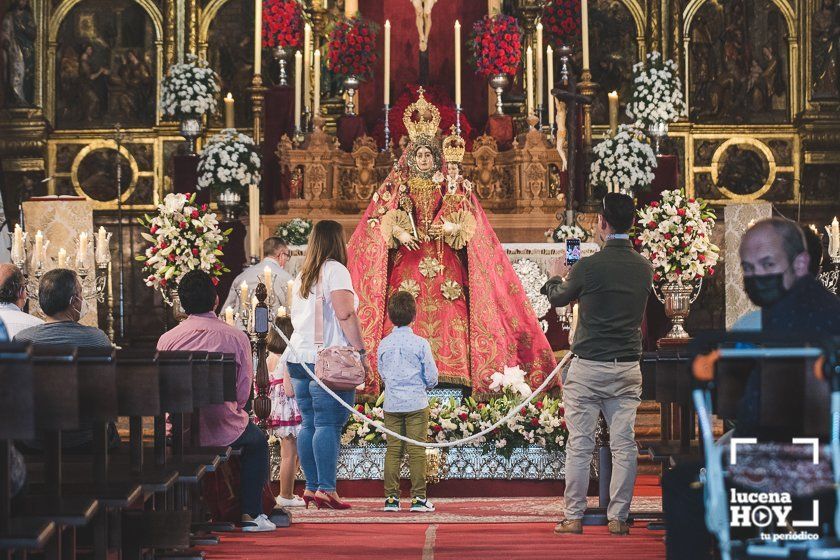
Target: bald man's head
{"points": [[11, 284], [775, 246]]}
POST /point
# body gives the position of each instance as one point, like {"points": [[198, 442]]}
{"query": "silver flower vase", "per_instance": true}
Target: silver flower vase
{"points": [[657, 132], [499, 82], [677, 299], [190, 129], [351, 85]]}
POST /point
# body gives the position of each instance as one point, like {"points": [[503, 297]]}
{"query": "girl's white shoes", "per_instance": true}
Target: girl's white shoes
{"points": [[296, 501]]}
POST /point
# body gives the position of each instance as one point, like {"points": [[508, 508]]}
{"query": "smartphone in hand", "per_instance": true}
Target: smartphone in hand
{"points": [[572, 251]]}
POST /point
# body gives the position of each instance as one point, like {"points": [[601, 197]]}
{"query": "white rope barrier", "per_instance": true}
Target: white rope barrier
{"points": [[429, 445]]}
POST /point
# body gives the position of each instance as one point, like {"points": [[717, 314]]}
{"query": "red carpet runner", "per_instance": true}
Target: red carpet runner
{"points": [[438, 542]]}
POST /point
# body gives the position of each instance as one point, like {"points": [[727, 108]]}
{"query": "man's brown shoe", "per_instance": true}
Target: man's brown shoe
{"points": [[569, 527], [617, 527]]}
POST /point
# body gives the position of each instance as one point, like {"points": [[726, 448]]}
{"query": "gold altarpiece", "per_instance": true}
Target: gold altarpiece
{"points": [[761, 127]]}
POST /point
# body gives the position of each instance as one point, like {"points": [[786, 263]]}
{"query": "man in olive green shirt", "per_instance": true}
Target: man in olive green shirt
{"points": [[612, 287]]}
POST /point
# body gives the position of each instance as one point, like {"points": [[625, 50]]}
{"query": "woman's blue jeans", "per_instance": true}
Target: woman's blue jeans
{"points": [[320, 431]]}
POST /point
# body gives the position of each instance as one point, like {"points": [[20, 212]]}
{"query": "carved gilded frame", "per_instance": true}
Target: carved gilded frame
{"points": [[794, 62], [54, 25]]}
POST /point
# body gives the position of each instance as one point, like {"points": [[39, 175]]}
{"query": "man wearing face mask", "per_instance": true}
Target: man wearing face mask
{"points": [[777, 278], [60, 298]]}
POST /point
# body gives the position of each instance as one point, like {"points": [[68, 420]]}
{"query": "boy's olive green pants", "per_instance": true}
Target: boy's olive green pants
{"points": [[413, 425]]}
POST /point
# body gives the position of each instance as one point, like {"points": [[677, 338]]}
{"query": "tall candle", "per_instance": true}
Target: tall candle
{"points": [[254, 218], [62, 258], [81, 257], [316, 84], [834, 244], [529, 78], [584, 30], [298, 71], [326, 4], [549, 53], [307, 60], [290, 292], [387, 77], [229, 315], [613, 96], [457, 62], [229, 120], [102, 251], [243, 293], [17, 243], [267, 276], [539, 64], [257, 37], [39, 247], [351, 7]]}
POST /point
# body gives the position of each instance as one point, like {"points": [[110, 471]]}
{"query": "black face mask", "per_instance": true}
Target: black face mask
{"points": [[766, 290]]}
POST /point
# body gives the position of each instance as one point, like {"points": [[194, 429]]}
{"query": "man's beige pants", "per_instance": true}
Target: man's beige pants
{"points": [[614, 389]]}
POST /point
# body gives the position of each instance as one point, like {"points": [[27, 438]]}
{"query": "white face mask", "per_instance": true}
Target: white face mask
{"points": [[83, 309]]}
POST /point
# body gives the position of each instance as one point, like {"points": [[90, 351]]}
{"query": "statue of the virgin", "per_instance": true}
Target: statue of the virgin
{"points": [[425, 233]]}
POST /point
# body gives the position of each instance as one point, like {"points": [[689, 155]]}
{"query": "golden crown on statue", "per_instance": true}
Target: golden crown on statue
{"points": [[454, 147], [426, 121]]}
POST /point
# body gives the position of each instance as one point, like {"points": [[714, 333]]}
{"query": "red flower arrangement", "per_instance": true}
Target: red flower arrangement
{"points": [[352, 48], [496, 45], [561, 20], [283, 22]]}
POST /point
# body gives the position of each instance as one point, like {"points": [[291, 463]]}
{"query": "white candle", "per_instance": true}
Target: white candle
{"points": [[834, 240], [267, 277], [243, 293], [351, 7], [229, 120], [81, 256], [17, 244], [457, 62], [102, 250], [298, 71], [290, 292], [62, 258], [229, 315], [326, 4], [307, 60], [613, 99], [550, 70], [540, 64], [387, 77], [529, 79], [254, 217], [39, 247], [584, 30], [257, 37], [316, 84]]}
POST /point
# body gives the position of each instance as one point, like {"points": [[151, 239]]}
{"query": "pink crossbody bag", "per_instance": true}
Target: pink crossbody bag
{"points": [[338, 367]]}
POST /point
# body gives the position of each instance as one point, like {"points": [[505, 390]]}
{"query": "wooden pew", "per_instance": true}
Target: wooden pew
{"points": [[17, 420]]}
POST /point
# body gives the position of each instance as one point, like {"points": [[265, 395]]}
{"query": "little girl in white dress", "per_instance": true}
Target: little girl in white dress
{"points": [[284, 421]]}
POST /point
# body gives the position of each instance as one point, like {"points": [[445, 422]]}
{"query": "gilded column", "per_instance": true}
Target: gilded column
{"points": [[170, 33], [665, 7], [676, 38], [653, 31], [193, 8]]}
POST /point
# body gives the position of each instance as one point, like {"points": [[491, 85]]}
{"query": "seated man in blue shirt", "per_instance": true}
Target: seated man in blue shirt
{"points": [[407, 368]]}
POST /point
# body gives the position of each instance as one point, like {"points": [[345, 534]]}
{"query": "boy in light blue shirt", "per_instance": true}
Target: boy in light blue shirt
{"points": [[407, 368]]}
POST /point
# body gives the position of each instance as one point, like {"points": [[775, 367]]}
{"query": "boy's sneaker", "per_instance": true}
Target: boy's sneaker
{"points": [[392, 503], [258, 525], [422, 505]]}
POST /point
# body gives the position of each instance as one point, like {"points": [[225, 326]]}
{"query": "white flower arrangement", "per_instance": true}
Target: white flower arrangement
{"points": [[563, 232], [229, 161], [657, 91], [624, 163], [533, 278], [183, 237], [676, 236], [189, 89], [294, 232], [540, 422]]}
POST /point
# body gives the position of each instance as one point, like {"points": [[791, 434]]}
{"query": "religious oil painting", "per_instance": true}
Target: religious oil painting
{"points": [[613, 30], [230, 52], [825, 50], [18, 33], [739, 63], [105, 66]]}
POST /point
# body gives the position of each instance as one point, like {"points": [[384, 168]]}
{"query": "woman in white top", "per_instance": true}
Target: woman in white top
{"points": [[318, 442]]}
